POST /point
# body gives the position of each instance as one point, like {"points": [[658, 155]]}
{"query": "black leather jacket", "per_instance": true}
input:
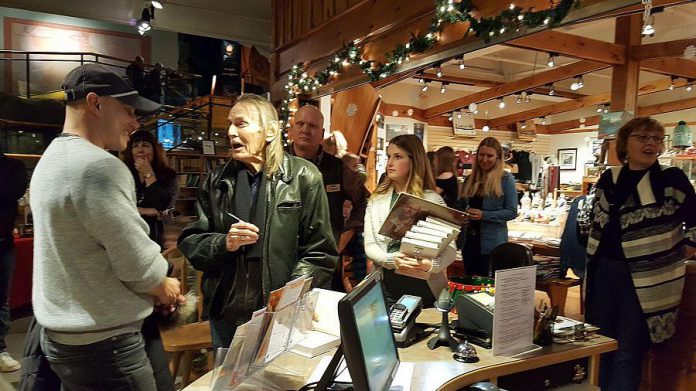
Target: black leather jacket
{"points": [[297, 236]]}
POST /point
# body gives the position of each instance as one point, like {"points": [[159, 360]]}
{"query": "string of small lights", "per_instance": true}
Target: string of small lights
{"points": [[447, 12]]}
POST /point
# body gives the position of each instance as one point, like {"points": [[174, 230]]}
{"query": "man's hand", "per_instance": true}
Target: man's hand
{"points": [[168, 292], [240, 234]]}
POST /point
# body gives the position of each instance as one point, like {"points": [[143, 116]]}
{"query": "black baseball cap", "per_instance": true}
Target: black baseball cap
{"points": [[103, 81]]}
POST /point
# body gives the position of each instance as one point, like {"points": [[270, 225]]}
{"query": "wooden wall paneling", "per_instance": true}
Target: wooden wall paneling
{"points": [[355, 127], [296, 19], [287, 21], [307, 10], [317, 13], [340, 6], [328, 10]]}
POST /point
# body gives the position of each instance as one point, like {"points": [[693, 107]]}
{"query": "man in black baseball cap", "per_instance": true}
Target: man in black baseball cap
{"points": [[97, 273]]}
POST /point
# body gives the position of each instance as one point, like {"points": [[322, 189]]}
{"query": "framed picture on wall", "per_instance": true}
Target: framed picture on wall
{"points": [[567, 158]]}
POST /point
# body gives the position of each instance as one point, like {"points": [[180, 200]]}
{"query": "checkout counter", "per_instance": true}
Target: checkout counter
{"points": [[437, 370]]}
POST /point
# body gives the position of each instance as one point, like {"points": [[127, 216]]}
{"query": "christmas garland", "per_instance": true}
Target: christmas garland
{"points": [[446, 12]]}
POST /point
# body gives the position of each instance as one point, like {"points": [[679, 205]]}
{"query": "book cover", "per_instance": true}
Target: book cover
{"points": [[409, 209]]}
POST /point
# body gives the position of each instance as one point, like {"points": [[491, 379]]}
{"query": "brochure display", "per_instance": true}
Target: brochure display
{"points": [[272, 330]]}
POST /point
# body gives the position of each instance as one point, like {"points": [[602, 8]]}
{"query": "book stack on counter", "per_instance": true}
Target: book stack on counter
{"points": [[427, 239]]}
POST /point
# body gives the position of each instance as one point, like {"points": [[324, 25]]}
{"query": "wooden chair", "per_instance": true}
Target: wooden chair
{"points": [[672, 365], [184, 341]]}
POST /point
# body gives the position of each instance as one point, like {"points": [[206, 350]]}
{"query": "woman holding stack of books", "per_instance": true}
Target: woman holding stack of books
{"points": [[408, 171], [490, 199]]}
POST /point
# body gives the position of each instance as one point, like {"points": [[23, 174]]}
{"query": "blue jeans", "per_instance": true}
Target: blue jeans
{"points": [[118, 363], [7, 260]]}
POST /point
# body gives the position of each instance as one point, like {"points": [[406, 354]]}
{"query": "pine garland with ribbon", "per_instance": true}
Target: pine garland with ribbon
{"points": [[446, 12]]}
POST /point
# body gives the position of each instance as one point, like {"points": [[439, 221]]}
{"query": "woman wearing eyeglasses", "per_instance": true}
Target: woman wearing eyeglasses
{"points": [[643, 228]]}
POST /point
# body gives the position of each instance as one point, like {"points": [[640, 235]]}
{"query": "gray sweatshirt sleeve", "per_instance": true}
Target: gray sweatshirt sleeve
{"points": [[105, 199]]}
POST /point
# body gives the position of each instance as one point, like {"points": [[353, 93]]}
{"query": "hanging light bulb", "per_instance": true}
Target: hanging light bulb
{"points": [[443, 88], [649, 27], [552, 60], [501, 103]]}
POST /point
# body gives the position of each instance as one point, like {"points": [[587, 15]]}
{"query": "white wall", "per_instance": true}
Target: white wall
{"points": [[165, 48], [582, 143]]}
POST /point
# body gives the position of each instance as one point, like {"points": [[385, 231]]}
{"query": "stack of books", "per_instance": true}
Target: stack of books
{"points": [[547, 267], [428, 238]]}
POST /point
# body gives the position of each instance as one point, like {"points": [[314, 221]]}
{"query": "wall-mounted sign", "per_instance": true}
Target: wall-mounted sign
{"points": [[464, 124]]}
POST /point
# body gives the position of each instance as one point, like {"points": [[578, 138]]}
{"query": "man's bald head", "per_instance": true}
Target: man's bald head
{"points": [[307, 131]]}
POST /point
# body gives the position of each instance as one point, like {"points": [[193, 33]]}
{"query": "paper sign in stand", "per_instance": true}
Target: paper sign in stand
{"points": [[513, 316], [261, 342]]}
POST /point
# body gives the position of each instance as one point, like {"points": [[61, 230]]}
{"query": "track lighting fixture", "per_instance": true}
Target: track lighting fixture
{"points": [[443, 88], [577, 83], [425, 86], [552, 60], [501, 103], [552, 91]]}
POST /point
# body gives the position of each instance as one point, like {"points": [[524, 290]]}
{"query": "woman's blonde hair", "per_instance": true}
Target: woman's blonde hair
{"points": [[420, 177], [267, 117], [486, 184]]}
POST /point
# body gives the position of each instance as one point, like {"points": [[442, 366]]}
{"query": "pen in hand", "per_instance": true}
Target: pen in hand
{"points": [[240, 221]]}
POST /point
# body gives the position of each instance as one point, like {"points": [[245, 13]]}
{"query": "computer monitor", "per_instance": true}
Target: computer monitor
{"points": [[367, 339]]}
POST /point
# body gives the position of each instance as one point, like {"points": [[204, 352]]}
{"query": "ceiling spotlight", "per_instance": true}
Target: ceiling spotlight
{"points": [[606, 110], [649, 27], [156, 4], [600, 108], [518, 99], [552, 91], [443, 88], [144, 24], [528, 98], [671, 84], [552, 60], [524, 125], [459, 114], [438, 72], [425, 86], [501, 103], [486, 128], [449, 118], [461, 62], [543, 120], [421, 80], [473, 107], [689, 87], [577, 83]]}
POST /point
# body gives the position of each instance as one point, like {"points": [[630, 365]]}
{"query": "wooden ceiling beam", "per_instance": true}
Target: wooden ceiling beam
{"points": [[573, 46], [679, 67], [654, 51], [660, 108], [649, 88], [490, 83], [524, 84]]}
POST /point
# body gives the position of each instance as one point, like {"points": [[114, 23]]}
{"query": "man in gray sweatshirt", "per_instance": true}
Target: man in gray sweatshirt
{"points": [[96, 272]]}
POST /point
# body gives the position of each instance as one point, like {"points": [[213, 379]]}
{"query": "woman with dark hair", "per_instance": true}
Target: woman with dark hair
{"points": [[446, 178], [643, 227], [490, 199], [408, 171], [155, 182]]}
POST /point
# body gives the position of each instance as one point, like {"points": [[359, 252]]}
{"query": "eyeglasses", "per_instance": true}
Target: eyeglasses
{"points": [[644, 138]]}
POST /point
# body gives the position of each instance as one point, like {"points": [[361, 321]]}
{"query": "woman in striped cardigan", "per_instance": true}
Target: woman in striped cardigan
{"points": [[643, 228]]}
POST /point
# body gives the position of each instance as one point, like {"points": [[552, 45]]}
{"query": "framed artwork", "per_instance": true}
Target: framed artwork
{"points": [[208, 147], [591, 170], [419, 130], [567, 158], [394, 130]]}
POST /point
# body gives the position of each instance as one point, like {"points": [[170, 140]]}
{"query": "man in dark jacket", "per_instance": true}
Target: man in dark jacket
{"points": [[340, 182], [14, 183], [263, 220]]}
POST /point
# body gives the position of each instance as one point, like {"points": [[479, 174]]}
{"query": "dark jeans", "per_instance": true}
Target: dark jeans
{"points": [[222, 333], [356, 249], [7, 260], [118, 363], [475, 263], [612, 305], [155, 352]]}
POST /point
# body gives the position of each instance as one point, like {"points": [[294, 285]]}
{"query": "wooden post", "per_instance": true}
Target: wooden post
{"points": [[624, 80]]}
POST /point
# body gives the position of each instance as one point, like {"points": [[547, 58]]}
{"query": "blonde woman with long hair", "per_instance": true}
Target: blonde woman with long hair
{"points": [[408, 171], [490, 198]]}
